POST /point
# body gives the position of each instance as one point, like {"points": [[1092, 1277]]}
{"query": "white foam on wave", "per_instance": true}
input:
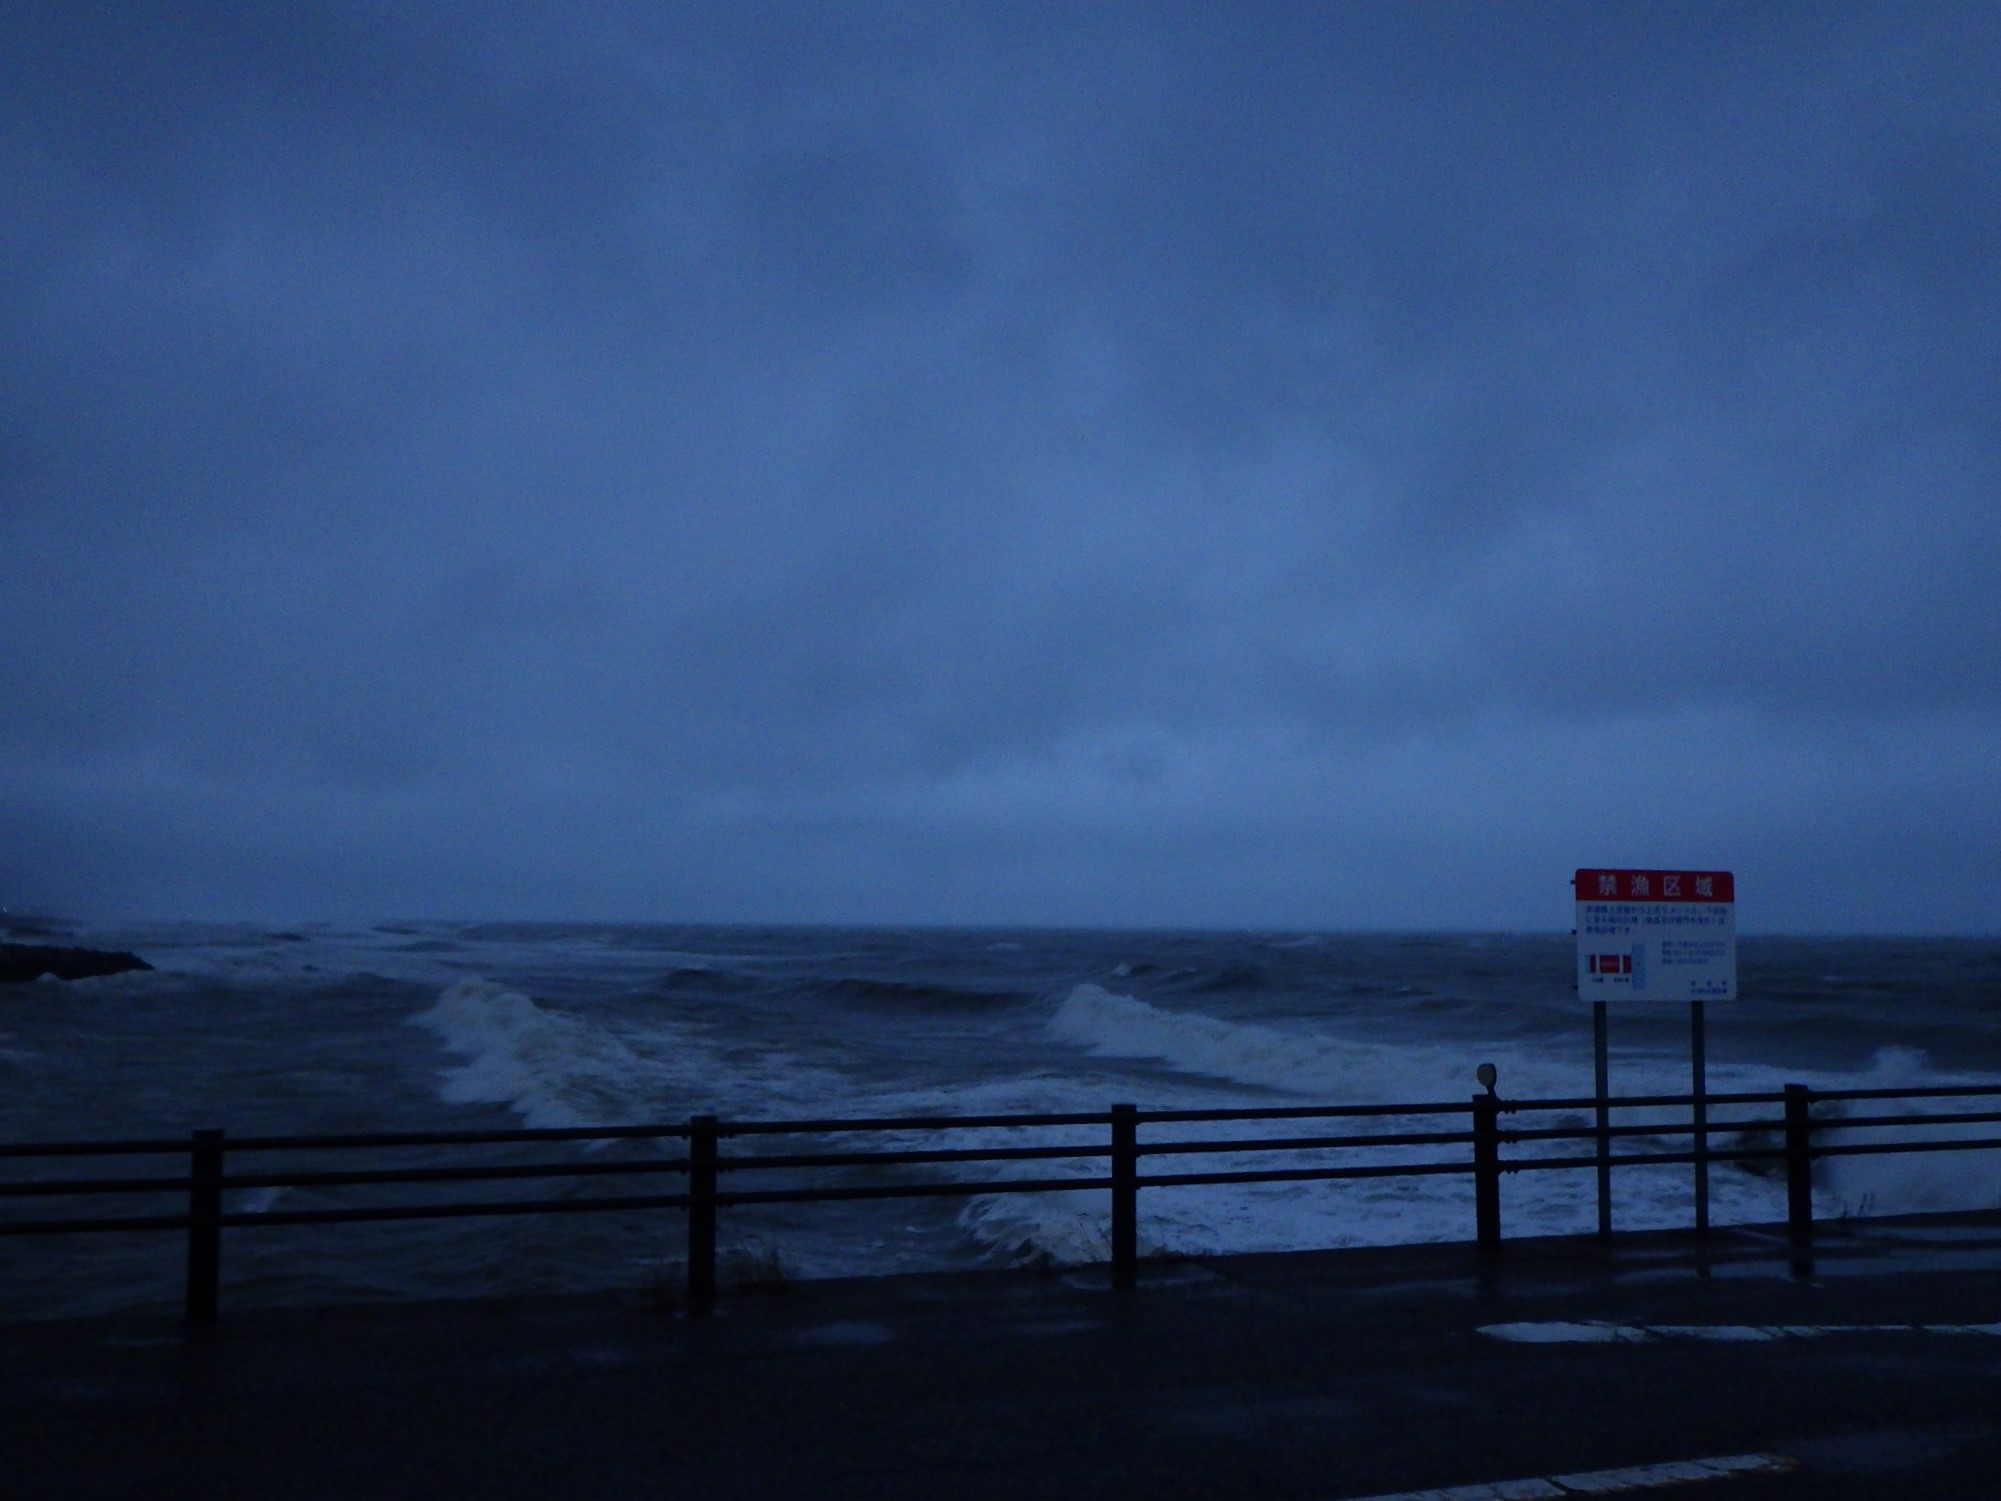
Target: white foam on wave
{"points": [[1317, 1065], [552, 1069], [1069, 1228], [557, 1068], [1225, 1219], [560, 1068]]}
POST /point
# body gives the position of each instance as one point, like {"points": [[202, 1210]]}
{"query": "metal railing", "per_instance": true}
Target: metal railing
{"points": [[1796, 1137]]}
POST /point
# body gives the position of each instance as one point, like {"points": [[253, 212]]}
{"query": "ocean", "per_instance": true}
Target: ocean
{"points": [[436, 1025]]}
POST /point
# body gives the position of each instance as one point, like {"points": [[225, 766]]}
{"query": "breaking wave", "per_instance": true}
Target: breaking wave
{"points": [[551, 1069], [556, 1068], [1316, 1065]]}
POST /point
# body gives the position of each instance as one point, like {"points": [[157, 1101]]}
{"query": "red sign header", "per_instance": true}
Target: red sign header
{"points": [[1655, 886]]}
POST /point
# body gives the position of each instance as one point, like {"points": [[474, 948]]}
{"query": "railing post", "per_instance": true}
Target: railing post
{"points": [[1799, 1176], [1125, 1195], [204, 1226], [701, 1213], [1487, 1173]]}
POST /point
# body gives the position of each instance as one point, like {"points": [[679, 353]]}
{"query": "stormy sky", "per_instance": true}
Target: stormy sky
{"points": [[1261, 464]]}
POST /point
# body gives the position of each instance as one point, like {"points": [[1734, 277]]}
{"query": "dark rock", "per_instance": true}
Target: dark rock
{"points": [[28, 961]]}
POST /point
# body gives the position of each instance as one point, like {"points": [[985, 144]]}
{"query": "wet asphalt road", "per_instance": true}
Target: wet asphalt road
{"points": [[1319, 1377]]}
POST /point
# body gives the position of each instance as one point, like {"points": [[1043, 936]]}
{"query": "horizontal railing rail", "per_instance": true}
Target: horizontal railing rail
{"points": [[1796, 1137]]}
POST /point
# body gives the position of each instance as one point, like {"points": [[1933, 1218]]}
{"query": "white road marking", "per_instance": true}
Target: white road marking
{"points": [[1559, 1332], [1605, 1482]]}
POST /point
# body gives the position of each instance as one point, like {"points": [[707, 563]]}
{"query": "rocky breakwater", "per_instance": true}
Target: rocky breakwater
{"points": [[20, 962]]}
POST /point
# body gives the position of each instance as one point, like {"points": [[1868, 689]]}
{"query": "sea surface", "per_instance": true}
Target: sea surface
{"points": [[423, 1026]]}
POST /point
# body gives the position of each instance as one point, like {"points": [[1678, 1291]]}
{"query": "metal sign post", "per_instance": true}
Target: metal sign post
{"points": [[1698, 1068], [1655, 935], [1601, 1073]]}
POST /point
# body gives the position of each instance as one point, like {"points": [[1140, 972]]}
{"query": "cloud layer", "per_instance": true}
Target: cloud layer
{"points": [[1326, 466]]}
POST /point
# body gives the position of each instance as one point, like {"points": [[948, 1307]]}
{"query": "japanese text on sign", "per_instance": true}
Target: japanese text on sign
{"points": [[1656, 935]]}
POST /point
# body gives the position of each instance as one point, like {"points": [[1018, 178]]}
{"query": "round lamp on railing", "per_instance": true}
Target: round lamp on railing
{"points": [[1486, 1073]]}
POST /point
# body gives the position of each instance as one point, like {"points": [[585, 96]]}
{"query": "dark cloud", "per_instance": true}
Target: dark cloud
{"points": [[997, 463]]}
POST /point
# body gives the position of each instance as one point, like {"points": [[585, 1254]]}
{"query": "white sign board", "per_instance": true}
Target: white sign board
{"points": [[1656, 935]]}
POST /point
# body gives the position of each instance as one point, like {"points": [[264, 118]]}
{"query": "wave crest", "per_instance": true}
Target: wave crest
{"points": [[1110, 1025], [550, 1068]]}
